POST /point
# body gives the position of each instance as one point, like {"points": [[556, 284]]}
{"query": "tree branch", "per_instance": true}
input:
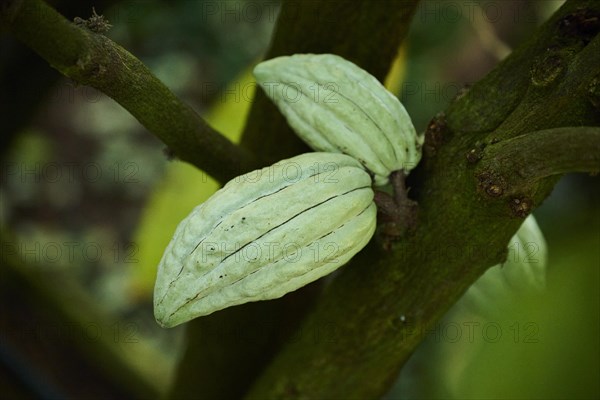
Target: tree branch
{"points": [[381, 305], [22, 73], [515, 165], [93, 59]]}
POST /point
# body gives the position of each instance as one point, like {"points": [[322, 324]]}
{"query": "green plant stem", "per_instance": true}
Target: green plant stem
{"points": [[93, 59]]}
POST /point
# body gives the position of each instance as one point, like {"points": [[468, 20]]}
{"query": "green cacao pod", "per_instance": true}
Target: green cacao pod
{"points": [[523, 271], [336, 106], [453, 348], [264, 234]]}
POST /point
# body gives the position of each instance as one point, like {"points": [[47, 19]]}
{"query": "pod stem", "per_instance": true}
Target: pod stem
{"points": [[397, 212]]}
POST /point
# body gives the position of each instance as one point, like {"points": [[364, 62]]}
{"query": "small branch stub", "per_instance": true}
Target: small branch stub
{"points": [[436, 134], [96, 23], [475, 154], [546, 70], [521, 206], [491, 183]]}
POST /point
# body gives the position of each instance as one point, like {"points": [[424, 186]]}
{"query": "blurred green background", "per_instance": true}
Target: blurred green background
{"points": [[80, 173]]}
